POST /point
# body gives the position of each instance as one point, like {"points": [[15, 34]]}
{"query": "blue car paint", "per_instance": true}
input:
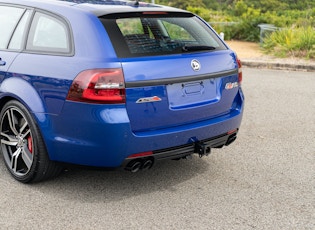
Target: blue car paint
{"points": [[103, 135], [89, 139], [21, 89], [158, 115]]}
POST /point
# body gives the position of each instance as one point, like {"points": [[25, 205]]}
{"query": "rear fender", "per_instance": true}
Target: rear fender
{"points": [[22, 91]]}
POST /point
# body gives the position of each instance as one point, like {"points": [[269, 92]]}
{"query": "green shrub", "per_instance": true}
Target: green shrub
{"points": [[240, 21], [296, 41]]}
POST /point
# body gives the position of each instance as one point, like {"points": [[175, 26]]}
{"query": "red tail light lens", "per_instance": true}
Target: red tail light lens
{"points": [[102, 86], [144, 154], [240, 73]]}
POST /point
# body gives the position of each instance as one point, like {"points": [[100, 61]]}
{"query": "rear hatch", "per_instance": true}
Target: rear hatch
{"points": [[176, 69], [170, 93]]}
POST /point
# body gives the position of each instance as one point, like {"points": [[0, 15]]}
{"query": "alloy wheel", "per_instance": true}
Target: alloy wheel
{"points": [[16, 142]]}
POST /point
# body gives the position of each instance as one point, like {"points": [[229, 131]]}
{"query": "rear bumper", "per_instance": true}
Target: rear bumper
{"points": [[102, 137], [184, 150], [201, 147]]}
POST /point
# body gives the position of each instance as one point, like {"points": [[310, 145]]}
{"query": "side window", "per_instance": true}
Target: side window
{"points": [[48, 34], [17, 38], [9, 18]]}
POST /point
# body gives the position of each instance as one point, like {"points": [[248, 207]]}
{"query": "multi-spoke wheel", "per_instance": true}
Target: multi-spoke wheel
{"points": [[22, 147]]}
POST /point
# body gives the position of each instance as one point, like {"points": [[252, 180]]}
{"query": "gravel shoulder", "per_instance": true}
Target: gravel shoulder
{"points": [[252, 55]]}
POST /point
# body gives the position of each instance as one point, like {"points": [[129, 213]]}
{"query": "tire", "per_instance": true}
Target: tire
{"points": [[22, 146]]}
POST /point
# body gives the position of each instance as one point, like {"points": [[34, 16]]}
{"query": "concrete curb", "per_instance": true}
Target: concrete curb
{"points": [[308, 67]]}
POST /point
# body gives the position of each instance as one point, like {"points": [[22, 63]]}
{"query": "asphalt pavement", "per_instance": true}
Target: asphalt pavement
{"points": [[264, 180]]}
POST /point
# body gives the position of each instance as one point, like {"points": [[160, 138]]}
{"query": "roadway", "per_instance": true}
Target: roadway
{"points": [[264, 180]]}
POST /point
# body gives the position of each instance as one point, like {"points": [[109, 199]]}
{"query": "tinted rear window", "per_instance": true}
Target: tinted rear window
{"points": [[143, 34]]}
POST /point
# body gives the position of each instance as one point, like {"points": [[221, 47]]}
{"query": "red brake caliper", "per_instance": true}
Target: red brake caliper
{"points": [[30, 144]]}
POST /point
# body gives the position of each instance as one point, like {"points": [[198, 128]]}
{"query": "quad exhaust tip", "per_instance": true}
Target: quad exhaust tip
{"points": [[140, 164]]}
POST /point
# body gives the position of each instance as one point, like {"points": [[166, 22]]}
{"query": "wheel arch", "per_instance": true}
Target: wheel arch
{"points": [[30, 165], [40, 119], [21, 90]]}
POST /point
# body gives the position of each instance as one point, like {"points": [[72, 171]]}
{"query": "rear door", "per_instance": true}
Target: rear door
{"points": [[175, 69]]}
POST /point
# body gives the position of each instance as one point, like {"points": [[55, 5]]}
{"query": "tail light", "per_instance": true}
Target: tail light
{"points": [[102, 86], [240, 73], [144, 154]]}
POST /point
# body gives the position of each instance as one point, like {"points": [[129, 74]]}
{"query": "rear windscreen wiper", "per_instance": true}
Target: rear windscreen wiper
{"points": [[197, 48]]}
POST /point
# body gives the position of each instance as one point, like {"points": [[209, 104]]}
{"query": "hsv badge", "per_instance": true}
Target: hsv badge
{"points": [[195, 65]]}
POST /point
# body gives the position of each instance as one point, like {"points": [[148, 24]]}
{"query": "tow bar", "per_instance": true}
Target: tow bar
{"points": [[202, 149]]}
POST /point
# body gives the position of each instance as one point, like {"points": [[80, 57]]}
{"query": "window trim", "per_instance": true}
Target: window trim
{"points": [[24, 8], [53, 53], [25, 31]]}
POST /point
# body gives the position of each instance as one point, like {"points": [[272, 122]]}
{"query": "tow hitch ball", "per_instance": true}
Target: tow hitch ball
{"points": [[202, 149]]}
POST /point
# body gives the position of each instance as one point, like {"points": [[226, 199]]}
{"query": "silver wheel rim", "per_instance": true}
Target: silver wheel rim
{"points": [[16, 142]]}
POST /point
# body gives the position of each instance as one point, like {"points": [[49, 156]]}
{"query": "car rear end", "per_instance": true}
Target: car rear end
{"points": [[177, 90], [119, 84]]}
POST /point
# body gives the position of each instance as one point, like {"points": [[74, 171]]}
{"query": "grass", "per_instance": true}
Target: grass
{"points": [[296, 42]]}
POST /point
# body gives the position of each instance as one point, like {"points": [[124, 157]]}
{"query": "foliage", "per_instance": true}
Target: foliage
{"points": [[183, 4], [239, 19], [298, 42], [263, 5]]}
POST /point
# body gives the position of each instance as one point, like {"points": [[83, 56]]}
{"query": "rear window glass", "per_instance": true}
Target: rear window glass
{"points": [[135, 35]]}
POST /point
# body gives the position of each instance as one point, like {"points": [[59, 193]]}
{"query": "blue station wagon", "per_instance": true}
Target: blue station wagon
{"points": [[115, 84]]}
